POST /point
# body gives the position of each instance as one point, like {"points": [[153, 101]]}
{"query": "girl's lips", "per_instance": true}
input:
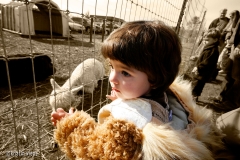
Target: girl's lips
{"points": [[114, 89]]}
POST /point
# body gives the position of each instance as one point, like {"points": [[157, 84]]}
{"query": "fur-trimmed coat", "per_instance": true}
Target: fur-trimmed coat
{"points": [[80, 137]]}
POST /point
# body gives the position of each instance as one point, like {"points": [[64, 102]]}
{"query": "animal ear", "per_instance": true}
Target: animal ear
{"points": [[54, 83], [75, 90]]}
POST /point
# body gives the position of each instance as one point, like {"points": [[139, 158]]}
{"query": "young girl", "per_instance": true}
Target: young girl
{"points": [[151, 116]]}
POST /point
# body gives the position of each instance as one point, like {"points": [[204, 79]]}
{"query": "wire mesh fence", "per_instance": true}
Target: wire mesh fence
{"points": [[68, 32], [191, 30]]}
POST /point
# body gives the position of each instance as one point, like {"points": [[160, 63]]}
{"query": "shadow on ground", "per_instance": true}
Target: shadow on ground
{"points": [[25, 91]]}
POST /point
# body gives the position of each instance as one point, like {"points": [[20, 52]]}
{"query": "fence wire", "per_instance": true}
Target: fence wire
{"points": [[69, 32], [192, 27]]}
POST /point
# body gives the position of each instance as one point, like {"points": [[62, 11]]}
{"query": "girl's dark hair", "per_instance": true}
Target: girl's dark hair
{"points": [[148, 46]]}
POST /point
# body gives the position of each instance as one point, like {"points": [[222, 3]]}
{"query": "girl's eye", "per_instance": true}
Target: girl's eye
{"points": [[126, 74]]}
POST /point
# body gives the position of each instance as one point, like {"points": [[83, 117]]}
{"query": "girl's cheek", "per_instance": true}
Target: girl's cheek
{"points": [[112, 75]]}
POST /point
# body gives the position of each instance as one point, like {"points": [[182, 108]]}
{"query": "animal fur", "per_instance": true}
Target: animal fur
{"points": [[84, 77], [80, 137]]}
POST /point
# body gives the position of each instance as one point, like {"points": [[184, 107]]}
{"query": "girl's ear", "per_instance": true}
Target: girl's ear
{"points": [[54, 84], [74, 91]]}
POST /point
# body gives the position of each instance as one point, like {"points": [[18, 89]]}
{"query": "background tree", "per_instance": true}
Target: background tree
{"points": [[87, 14], [193, 26]]}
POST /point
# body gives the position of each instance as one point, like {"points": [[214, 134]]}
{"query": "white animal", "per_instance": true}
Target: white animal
{"points": [[84, 77]]}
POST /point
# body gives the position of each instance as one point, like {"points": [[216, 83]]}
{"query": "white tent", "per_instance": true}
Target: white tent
{"points": [[18, 18]]}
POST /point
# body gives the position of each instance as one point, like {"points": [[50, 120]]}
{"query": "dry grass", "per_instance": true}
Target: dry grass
{"points": [[25, 117]]}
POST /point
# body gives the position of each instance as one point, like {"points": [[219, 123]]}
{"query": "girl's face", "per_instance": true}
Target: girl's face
{"points": [[127, 82]]}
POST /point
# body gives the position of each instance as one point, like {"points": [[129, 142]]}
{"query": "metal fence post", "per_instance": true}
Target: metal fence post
{"points": [[198, 32], [91, 30], [181, 16], [103, 29]]}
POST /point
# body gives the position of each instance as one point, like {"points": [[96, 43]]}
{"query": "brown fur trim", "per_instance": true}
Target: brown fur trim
{"points": [[201, 127], [200, 141], [162, 142]]}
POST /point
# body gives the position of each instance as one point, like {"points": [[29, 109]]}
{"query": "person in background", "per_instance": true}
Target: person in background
{"points": [[206, 62], [221, 22], [227, 32], [229, 97], [229, 124], [193, 59]]}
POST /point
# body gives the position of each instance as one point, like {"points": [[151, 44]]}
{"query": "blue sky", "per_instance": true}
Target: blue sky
{"points": [[213, 6]]}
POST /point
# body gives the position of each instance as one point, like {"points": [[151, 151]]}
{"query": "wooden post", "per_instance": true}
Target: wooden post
{"points": [[103, 29], [198, 32], [181, 16], [91, 30]]}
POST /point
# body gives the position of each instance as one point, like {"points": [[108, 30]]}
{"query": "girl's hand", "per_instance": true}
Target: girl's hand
{"points": [[112, 96], [59, 114]]}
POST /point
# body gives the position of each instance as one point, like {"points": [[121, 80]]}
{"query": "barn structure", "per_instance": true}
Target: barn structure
{"points": [[17, 16]]}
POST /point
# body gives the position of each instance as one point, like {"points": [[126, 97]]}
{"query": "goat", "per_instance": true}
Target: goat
{"points": [[84, 77]]}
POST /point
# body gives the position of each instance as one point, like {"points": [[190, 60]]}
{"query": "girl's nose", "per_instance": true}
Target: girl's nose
{"points": [[113, 77]]}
